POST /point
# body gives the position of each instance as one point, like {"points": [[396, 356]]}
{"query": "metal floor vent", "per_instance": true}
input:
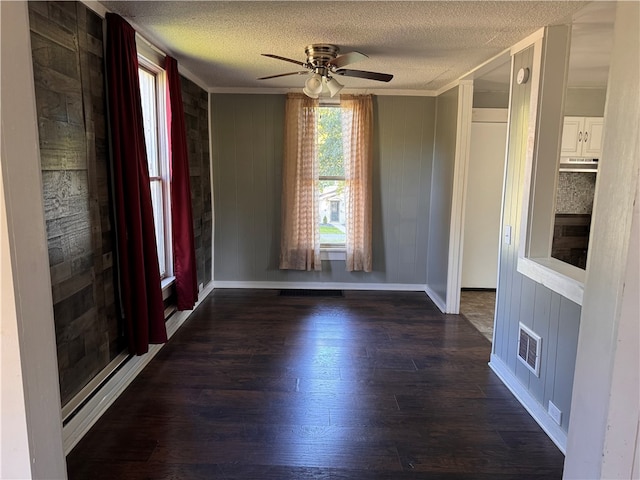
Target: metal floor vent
{"points": [[529, 348], [306, 292]]}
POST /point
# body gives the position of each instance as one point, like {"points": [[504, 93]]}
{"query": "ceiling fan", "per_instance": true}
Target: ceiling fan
{"points": [[323, 62]]}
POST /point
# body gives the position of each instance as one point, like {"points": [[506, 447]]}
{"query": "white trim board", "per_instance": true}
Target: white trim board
{"points": [[535, 409], [398, 287], [435, 298], [390, 287], [490, 115], [459, 196], [284, 91], [556, 275], [95, 407]]}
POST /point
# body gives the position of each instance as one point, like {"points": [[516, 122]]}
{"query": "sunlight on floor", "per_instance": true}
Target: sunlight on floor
{"points": [[479, 308]]}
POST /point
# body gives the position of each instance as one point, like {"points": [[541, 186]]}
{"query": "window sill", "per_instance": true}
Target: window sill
{"points": [[166, 282], [333, 254], [558, 276]]}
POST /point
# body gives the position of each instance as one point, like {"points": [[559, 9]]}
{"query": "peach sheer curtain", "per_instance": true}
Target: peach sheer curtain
{"points": [[300, 241], [357, 126]]}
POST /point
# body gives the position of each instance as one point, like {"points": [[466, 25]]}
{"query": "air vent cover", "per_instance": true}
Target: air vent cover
{"points": [[529, 348]]}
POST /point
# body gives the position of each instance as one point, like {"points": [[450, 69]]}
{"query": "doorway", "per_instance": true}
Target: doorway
{"points": [[485, 178]]}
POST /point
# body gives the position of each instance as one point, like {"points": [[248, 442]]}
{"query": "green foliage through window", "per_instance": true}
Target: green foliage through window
{"points": [[331, 184], [330, 156]]}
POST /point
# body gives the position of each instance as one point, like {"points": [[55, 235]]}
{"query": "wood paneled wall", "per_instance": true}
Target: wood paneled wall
{"points": [[67, 46], [520, 299], [196, 111]]}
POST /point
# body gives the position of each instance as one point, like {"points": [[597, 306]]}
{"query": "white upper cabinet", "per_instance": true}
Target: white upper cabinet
{"points": [[582, 137], [592, 139]]}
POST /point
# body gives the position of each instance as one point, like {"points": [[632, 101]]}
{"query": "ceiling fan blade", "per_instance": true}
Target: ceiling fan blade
{"points": [[347, 58], [277, 57], [303, 72], [381, 77]]}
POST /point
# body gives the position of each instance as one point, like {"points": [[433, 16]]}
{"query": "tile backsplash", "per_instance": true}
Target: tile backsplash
{"points": [[575, 192]]}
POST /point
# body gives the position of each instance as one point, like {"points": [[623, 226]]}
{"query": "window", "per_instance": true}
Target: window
{"points": [[312, 143], [331, 180], [546, 102], [152, 94]]}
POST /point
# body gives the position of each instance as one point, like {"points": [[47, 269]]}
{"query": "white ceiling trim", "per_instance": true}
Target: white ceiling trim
{"points": [[353, 91], [96, 7]]}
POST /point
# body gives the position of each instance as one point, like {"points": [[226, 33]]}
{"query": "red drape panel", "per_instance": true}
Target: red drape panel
{"points": [[184, 253], [140, 290]]}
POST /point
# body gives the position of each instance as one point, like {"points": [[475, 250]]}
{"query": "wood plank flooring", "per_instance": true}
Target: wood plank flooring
{"points": [[372, 385]]}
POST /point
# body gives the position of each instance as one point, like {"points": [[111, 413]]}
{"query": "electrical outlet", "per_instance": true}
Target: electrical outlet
{"points": [[555, 413]]}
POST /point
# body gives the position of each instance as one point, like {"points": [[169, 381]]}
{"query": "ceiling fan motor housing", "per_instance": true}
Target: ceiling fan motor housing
{"points": [[323, 59], [319, 55]]}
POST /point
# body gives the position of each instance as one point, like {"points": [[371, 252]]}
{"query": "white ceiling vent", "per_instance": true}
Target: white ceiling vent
{"points": [[529, 347]]}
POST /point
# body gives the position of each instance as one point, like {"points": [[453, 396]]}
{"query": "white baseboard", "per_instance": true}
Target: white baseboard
{"points": [[435, 298], [535, 409], [95, 407], [404, 287]]}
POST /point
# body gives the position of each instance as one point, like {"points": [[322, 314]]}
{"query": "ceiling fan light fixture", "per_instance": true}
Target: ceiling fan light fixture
{"points": [[334, 86], [324, 61], [313, 86], [309, 94]]}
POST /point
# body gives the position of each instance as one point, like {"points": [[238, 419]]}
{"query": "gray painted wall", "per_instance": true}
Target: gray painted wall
{"points": [[585, 102], [491, 99], [441, 191], [520, 299], [247, 137]]}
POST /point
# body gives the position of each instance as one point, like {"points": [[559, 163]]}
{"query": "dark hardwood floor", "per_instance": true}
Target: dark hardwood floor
{"points": [[372, 385]]}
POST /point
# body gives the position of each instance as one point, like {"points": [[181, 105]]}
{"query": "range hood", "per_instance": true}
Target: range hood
{"points": [[569, 164]]}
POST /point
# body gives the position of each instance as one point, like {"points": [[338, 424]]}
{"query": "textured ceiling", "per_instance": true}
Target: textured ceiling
{"points": [[589, 56], [425, 45]]}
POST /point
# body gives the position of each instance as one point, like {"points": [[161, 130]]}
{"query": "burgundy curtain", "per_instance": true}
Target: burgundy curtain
{"points": [[140, 291], [184, 253]]}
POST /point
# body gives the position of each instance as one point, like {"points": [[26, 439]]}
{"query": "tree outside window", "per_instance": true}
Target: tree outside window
{"points": [[331, 179]]}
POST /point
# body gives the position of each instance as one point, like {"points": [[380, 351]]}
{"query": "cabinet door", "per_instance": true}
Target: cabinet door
{"points": [[572, 133], [592, 140]]}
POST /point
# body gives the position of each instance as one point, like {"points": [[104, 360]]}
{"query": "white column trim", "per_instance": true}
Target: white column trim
{"points": [[459, 196]]}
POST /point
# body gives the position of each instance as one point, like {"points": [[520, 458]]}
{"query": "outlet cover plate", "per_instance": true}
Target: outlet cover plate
{"points": [[555, 413]]}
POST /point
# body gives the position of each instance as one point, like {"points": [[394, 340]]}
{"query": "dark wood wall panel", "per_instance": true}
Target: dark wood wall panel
{"points": [[67, 46], [196, 111]]}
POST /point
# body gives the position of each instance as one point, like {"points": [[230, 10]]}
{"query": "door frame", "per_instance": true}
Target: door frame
{"points": [[461, 167]]}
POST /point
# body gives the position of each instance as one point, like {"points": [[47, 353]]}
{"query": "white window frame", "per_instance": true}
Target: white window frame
{"points": [[152, 66], [332, 251]]}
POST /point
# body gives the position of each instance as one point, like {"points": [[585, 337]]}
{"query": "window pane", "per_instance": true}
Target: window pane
{"points": [[330, 157], [332, 212], [150, 117], [331, 164], [158, 219]]}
